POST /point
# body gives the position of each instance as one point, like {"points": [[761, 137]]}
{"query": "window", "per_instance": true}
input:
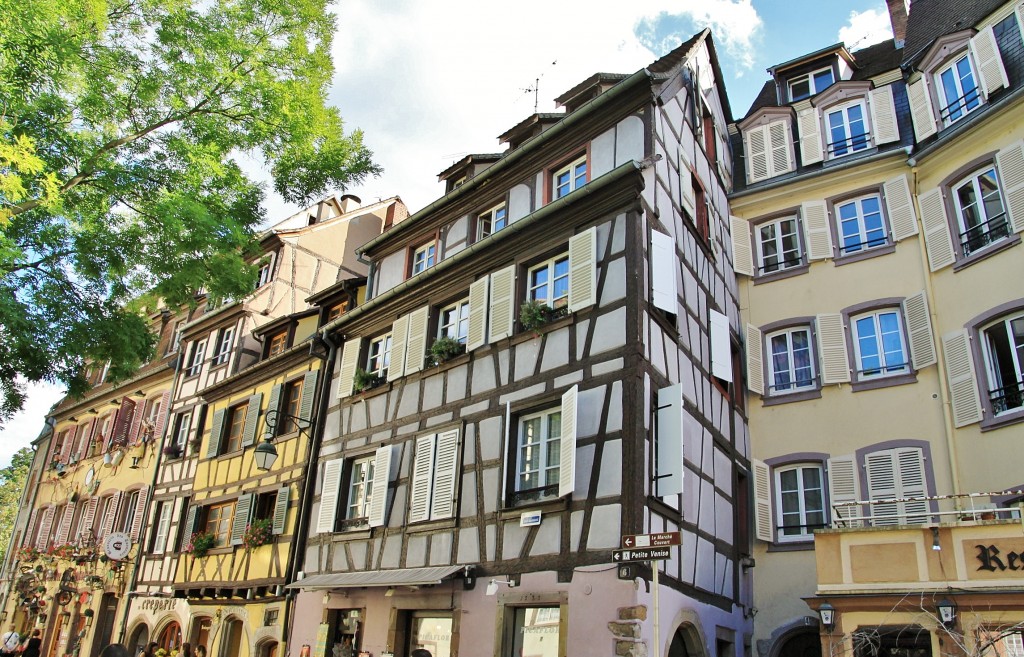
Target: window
{"points": [[264, 506], [979, 211], [897, 474], [158, 543], [539, 451], [128, 510], [291, 398], [225, 340], [957, 89], [277, 343], [235, 423], [175, 342], [337, 310], [571, 176], [266, 271], [806, 86], [182, 424], [1001, 642], [360, 489], [549, 282], [379, 356], [218, 523], [1004, 362], [434, 474], [860, 225], [700, 213], [365, 491], [535, 631], [800, 501], [791, 366], [491, 221], [453, 321], [847, 129], [879, 347], [195, 360], [778, 245], [423, 257]]}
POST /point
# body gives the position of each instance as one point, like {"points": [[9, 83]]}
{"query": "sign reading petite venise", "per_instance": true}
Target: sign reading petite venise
{"points": [[992, 559]]}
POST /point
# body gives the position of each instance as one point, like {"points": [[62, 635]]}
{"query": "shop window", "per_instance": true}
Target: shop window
{"points": [[535, 631]]}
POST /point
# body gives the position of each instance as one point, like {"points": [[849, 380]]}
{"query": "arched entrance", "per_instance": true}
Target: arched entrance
{"points": [[231, 638], [802, 643], [138, 639], [266, 649], [685, 643], [170, 637]]}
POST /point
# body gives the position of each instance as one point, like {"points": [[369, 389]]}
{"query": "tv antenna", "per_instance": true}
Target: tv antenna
{"points": [[535, 89]]}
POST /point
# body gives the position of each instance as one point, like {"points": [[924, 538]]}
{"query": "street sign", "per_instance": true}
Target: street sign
{"points": [[664, 539], [645, 554]]}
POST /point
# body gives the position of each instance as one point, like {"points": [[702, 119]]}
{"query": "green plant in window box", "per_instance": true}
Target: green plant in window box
{"points": [[257, 533], [366, 380], [445, 348], [200, 544], [534, 314]]}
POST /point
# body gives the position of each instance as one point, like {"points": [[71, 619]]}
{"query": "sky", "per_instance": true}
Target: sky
{"points": [[429, 82]]}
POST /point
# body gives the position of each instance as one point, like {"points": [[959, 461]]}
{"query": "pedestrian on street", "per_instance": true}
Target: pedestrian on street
{"points": [[10, 641], [421, 652], [33, 645], [186, 650], [200, 650]]}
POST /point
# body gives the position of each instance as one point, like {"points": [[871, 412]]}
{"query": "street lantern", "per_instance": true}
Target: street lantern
{"points": [[947, 611], [828, 616], [265, 454]]}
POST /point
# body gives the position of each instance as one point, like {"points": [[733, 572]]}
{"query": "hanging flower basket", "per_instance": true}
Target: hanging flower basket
{"points": [[66, 551], [200, 544], [28, 553], [257, 533]]}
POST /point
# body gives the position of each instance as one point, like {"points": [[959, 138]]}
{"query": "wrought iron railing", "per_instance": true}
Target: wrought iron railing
{"points": [[1007, 397], [851, 144], [848, 247], [962, 105], [984, 234], [780, 265]]}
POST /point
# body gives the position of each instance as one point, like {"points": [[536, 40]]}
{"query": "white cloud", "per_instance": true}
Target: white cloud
{"points": [[866, 28], [26, 425], [735, 24]]}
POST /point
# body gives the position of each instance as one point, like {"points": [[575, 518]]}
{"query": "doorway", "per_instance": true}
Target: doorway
{"points": [[105, 623]]}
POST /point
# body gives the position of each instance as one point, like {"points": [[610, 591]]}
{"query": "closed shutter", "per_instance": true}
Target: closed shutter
{"points": [[721, 346], [844, 486], [399, 340], [567, 443], [816, 228], [347, 366], [1019, 10], [835, 368], [1010, 161], [963, 383], [764, 528], [422, 469], [779, 141], [919, 329], [416, 347], [755, 360], [88, 518], [379, 491], [281, 510], [583, 270], [64, 528], [476, 335], [511, 438], [900, 207], [503, 288], [45, 525], [309, 380], [216, 433], [921, 112], [990, 64], [912, 482], [243, 509], [140, 514], [757, 153], [881, 477], [329, 496], [810, 136], [742, 251], [663, 272], [884, 126], [252, 416], [937, 241], [446, 473], [273, 419], [668, 468]]}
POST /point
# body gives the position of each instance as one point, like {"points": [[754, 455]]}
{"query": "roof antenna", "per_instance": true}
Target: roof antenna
{"points": [[535, 89]]}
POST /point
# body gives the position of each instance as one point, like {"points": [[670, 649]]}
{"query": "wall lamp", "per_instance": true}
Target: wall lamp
{"points": [[492, 586], [828, 616], [265, 453], [936, 545], [947, 612]]}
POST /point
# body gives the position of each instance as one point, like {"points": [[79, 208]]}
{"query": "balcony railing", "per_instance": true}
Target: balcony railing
{"points": [[1006, 398], [852, 144], [932, 509], [984, 234], [960, 106]]}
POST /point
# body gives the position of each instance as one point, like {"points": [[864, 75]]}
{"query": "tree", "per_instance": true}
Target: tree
{"points": [[12, 483], [121, 127]]}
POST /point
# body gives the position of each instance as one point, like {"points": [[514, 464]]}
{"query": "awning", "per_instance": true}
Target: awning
{"points": [[394, 577]]}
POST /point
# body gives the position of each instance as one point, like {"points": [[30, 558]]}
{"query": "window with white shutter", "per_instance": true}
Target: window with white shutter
{"points": [[764, 529], [843, 490], [897, 474], [544, 460], [668, 464], [664, 268], [434, 475], [329, 496]]}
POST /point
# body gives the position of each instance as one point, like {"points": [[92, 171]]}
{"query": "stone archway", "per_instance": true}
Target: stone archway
{"points": [[138, 638], [685, 642], [800, 643]]}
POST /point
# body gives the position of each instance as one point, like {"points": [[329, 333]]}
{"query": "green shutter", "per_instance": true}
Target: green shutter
{"points": [[216, 429], [273, 412], [281, 508], [308, 396], [243, 509], [252, 416]]}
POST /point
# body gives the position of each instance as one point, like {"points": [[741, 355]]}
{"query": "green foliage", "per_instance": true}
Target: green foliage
{"points": [[446, 348], [534, 314], [12, 483], [364, 380], [120, 125]]}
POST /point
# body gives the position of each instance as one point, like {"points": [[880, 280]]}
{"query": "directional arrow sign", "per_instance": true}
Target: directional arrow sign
{"points": [[664, 539], [645, 554]]}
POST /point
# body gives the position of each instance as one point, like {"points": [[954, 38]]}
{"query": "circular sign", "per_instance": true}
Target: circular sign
{"points": [[117, 545], [89, 476]]}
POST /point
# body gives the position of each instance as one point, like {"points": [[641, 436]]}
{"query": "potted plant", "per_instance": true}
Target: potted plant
{"points": [[534, 314], [366, 380], [257, 533], [28, 553], [172, 450], [88, 613], [445, 348], [200, 544]]}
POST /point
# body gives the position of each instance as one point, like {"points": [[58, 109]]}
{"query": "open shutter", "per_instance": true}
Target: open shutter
{"points": [[835, 368], [900, 207], [843, 486], [755, 360], [669, 471], [243, 509], [742, 251], [422, 471], [329, 496], [281, 510], [69, 444], [381, 479], [111, 517], [123, 423], [583, 270], [273, 420], [140, 515], [963, 383], [190, 525], [503, 292], [476, 335], [216, 433], [252, 416], [446, 472], [161, 418], [567, 443], [689, 201], [26, 540], [919, 328], [1010, 161], [810, 136], [990, 64], [416, 347], [881, 477], [779, 142], [757, 153], [663, 272], [140, 411], [64, 528], [819, 237], [921, 112], [45, 525], [88, 518], [884, 126], [912, 483], [308, 396], [1019, 10], [721, 346], [85, 437], [937, 240], [347, 366], [511, 439], [764, 528], [399, 341]]}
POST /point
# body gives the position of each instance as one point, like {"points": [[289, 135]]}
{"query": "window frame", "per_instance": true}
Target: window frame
{"points": [[806, 533], [778, 239], [277, 342], [1016, 353], [865, 248], [197, 356], [289, 404], [810, 79], [225, 522], [361, 488], [571, 169], [419, 265], [942, 94], [487, 220], [958, 224], [387, 342], [461, 314], [858, 371], [182, 427], [550, 266], [815, 380], [265, 273], [235, 418], [225, 343], [544, 447], [852, 143]]}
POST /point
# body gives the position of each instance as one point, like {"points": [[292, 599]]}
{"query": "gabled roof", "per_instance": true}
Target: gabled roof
{"points": [[458, 165], [930, 19], [667, 63]]}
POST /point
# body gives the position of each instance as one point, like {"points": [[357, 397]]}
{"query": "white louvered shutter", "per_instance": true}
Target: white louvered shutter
{"points": [[755, 360], [416, 346], [884, 126], [1010, 161], [252, 416], [721, 346], [503, 293], [446, 474], [139, 519], [779, 143], [757, 153], [835, 368], [274, 419], [810, 136], [669, 469], [663, 272], [742, 251], [64, 528], [816, 229], [921, 112], [963, 383], [399, 341], [567, 443], [583, 270], [45, 525], [511, 441], [919, 329], [844, 486], [476, 335], [900, 207], [689, 201], [30, 527], [216, 433], [329, 496], [347, 366], [1019, 10], [381, 478], [912, 482], [422, 479], [881, 478], [281, 510], [243, 510], [938, 243], [764, 528], [111, 517], [89, 517], [308, 398], [990, 64]]}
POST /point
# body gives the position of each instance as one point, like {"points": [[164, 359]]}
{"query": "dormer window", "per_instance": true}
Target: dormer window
{"points": [[266, 272], [847, 129], [278, 343], [806, 86], [958, 90]]}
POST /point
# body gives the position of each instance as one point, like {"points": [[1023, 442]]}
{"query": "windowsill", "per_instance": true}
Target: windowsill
{"points": [[356, 533], [665, 320], [218, 366], [883, 382], [525, 335], [446, 365], [1003, 420], [429, 525], [865, 254], [779, 399], [792, 546], [788, 272], [988, 251], [514, 512], [372, 392], [661, 508], [191, 376], [848, 157]]}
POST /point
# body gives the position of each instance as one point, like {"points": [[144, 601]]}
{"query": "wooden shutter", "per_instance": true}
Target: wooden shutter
{"points": [[85, 436], [69, 442], [329, 496], [963, 383], [243, 510], [503, 293], [477, 332], [882, 485], [281, 510], [422, 470], [1010, 161], [843, 486], [347, 366], [912, 482], [216, 433], [379, 491], [1019, 10], [755, 360], [938, 243], [309, 380], [111, 517], [810, 136], [137, 417], [45, 525], [510, 441], [190, 525], [990, 64], [399, 340], [779, 141], [669, 471], [416, 347], [757, 153], [919, 329], [663, 272], [567, 443], [884, 127], [689, 201], [721, 346], [764, 528], [163, 415], [816, 229], [273, 412], [742, 251], [89, 516], [64, 527], [446, 473], [140, 515], [123, 422], [900, 207], [252, 416], [921, 112], [835, 368], [26, 540], [583, 270]]}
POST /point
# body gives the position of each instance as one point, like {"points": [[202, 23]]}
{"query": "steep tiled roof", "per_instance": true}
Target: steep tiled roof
{"points": [[932, 18]]}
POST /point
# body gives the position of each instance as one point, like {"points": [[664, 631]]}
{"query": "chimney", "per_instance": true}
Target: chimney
{"points": [[899, 10], [350, 202]]}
